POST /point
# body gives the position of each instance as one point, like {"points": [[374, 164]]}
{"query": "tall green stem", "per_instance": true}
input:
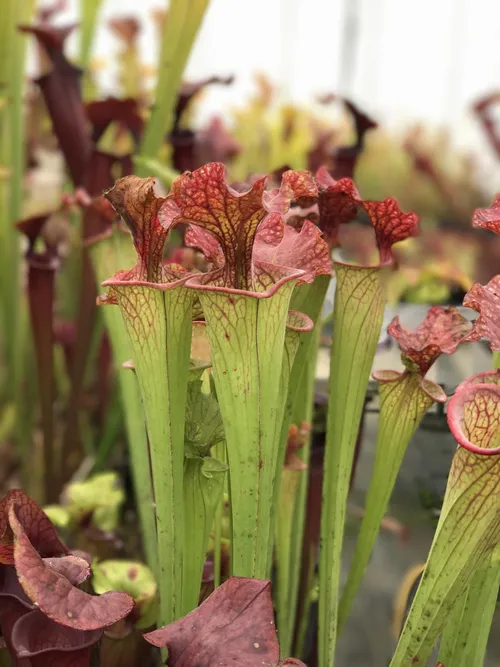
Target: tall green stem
{"points": [[23, 14], [89, 11], [298, 327], [181, 27], [158, 323], [290, 481], [303, 411], [247, 336], [308, 299], [358, 315], [468, 530], [203, 486], [108, 255], [466, 633], [166, 174], [12, 152], [404, 400], [220, 455]]}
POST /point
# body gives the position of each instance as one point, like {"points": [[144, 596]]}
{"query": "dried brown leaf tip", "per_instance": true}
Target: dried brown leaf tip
{"points": [[106, 219], [134, 199], [297, 438], [485, 299], [441, 332], [488, 218], [234, 626]]}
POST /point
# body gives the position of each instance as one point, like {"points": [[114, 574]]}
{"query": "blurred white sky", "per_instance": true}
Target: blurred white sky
{"points": [[425, 60]]}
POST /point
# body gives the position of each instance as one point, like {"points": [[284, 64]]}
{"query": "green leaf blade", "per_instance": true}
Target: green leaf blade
{"points": [[466, 633], [203, 486], [358, 315], [107, 256], [469, 525], [158, 323], [403, 403], [247, 336]]}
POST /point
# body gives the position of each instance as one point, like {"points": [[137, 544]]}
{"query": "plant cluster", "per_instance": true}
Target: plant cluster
{"points": [[206, 298]]}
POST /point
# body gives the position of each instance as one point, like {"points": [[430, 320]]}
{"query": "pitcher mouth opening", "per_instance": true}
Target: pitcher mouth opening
{"points": [[201, 282], [338, 260], [162, 287], [455, 416]]}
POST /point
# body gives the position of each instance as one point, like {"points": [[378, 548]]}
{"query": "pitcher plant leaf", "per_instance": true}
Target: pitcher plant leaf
{"points": [[485, 299], [305, 250], [233, 218], [488, 218], [134, 199], [56, 596], [442, 330], [469, 523], [234, 625], [35, 524], [40, 641]]}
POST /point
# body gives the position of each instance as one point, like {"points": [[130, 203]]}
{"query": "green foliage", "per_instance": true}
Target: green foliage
{"points": [[133, 578], [100, 496], [181, 27]]}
